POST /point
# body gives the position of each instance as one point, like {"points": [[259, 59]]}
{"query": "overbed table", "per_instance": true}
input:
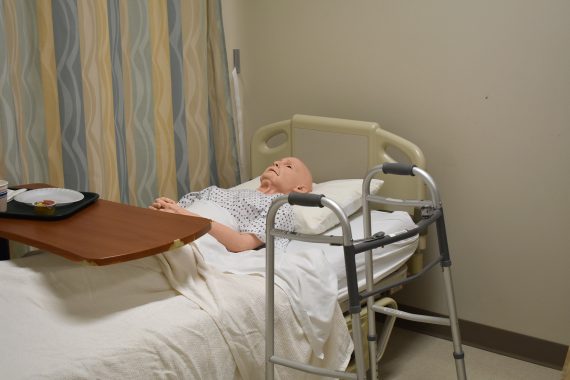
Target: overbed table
{"points": [[104, 232]]}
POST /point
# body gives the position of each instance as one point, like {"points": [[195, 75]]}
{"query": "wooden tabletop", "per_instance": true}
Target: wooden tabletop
{"points": [[107, 232]]}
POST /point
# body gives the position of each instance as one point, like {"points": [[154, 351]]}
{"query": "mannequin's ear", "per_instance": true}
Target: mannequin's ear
{"points": [[302, 189]]}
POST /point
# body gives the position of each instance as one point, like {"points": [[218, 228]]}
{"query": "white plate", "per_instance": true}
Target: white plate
{"points": [[59, 196]]}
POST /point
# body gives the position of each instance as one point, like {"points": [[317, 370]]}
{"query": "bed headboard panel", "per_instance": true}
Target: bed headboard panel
{"points": [[338, 148]]}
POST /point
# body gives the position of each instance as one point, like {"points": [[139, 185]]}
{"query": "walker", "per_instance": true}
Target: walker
{"points": [[431, 211]]}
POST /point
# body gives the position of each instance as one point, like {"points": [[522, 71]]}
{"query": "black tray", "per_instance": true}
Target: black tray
{"points": [[23, 211]]}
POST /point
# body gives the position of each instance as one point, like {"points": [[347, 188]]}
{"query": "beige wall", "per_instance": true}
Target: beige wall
{"points": [[483, 87]]}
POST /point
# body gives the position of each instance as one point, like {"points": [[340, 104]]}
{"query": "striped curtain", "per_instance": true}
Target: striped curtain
{"points": [[126, 98]]}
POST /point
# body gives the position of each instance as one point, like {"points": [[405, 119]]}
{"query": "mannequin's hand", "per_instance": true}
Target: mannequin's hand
{"points": [[169, 205]]}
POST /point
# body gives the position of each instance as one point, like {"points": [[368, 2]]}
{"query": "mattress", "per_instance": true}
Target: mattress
{"points": [[386, 260]]}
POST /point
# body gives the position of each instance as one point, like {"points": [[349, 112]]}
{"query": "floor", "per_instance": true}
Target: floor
{"points": [[412, 355]]}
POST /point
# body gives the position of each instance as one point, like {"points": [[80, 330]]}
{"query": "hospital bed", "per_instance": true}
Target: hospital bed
{"points": [[430, 210], [351, 148], [149, 318]]}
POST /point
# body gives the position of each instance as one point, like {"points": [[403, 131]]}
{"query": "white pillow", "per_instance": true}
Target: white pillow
{"points": [[347, 193], [316, 220]]}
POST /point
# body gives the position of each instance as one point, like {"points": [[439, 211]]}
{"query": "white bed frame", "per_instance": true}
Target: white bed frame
{"points": [[351, 148]]}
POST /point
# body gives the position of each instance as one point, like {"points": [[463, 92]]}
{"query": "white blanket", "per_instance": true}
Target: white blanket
{"points": [[61, 320], [220, 295], [303, 274]]}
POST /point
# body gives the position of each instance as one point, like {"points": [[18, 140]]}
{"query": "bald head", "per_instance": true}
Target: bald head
{"points": [[286, 175]]}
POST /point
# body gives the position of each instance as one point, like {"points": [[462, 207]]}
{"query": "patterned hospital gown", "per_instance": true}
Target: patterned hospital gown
{"points": [[248, 207]]}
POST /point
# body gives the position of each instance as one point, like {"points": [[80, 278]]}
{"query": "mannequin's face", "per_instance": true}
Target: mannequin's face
{"points": [[286, 175]]}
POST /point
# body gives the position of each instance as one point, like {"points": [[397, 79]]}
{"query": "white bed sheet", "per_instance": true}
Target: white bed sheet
{"points": [[63, 320], [385, 259]]}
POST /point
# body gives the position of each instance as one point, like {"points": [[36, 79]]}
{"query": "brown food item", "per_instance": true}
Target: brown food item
{"points": [[45, 207]]}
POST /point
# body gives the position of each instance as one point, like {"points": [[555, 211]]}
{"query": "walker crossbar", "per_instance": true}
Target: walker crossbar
{"points": [[389, 239], [375, 199], [408, 279], [432, 213], [377, 240], [412, 316]]}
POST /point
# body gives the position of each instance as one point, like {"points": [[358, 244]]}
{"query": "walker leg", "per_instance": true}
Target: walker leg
{"points": [[358, 351], [446, 269], [455, 333], [376, 349], [372, 363]]}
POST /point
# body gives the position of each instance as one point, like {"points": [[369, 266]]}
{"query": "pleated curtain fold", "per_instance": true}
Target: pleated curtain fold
{"points": [[126, 98]]}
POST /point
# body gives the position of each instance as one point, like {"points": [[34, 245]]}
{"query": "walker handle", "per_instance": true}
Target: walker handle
{"points": [[305, 199], [398, 168]]}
